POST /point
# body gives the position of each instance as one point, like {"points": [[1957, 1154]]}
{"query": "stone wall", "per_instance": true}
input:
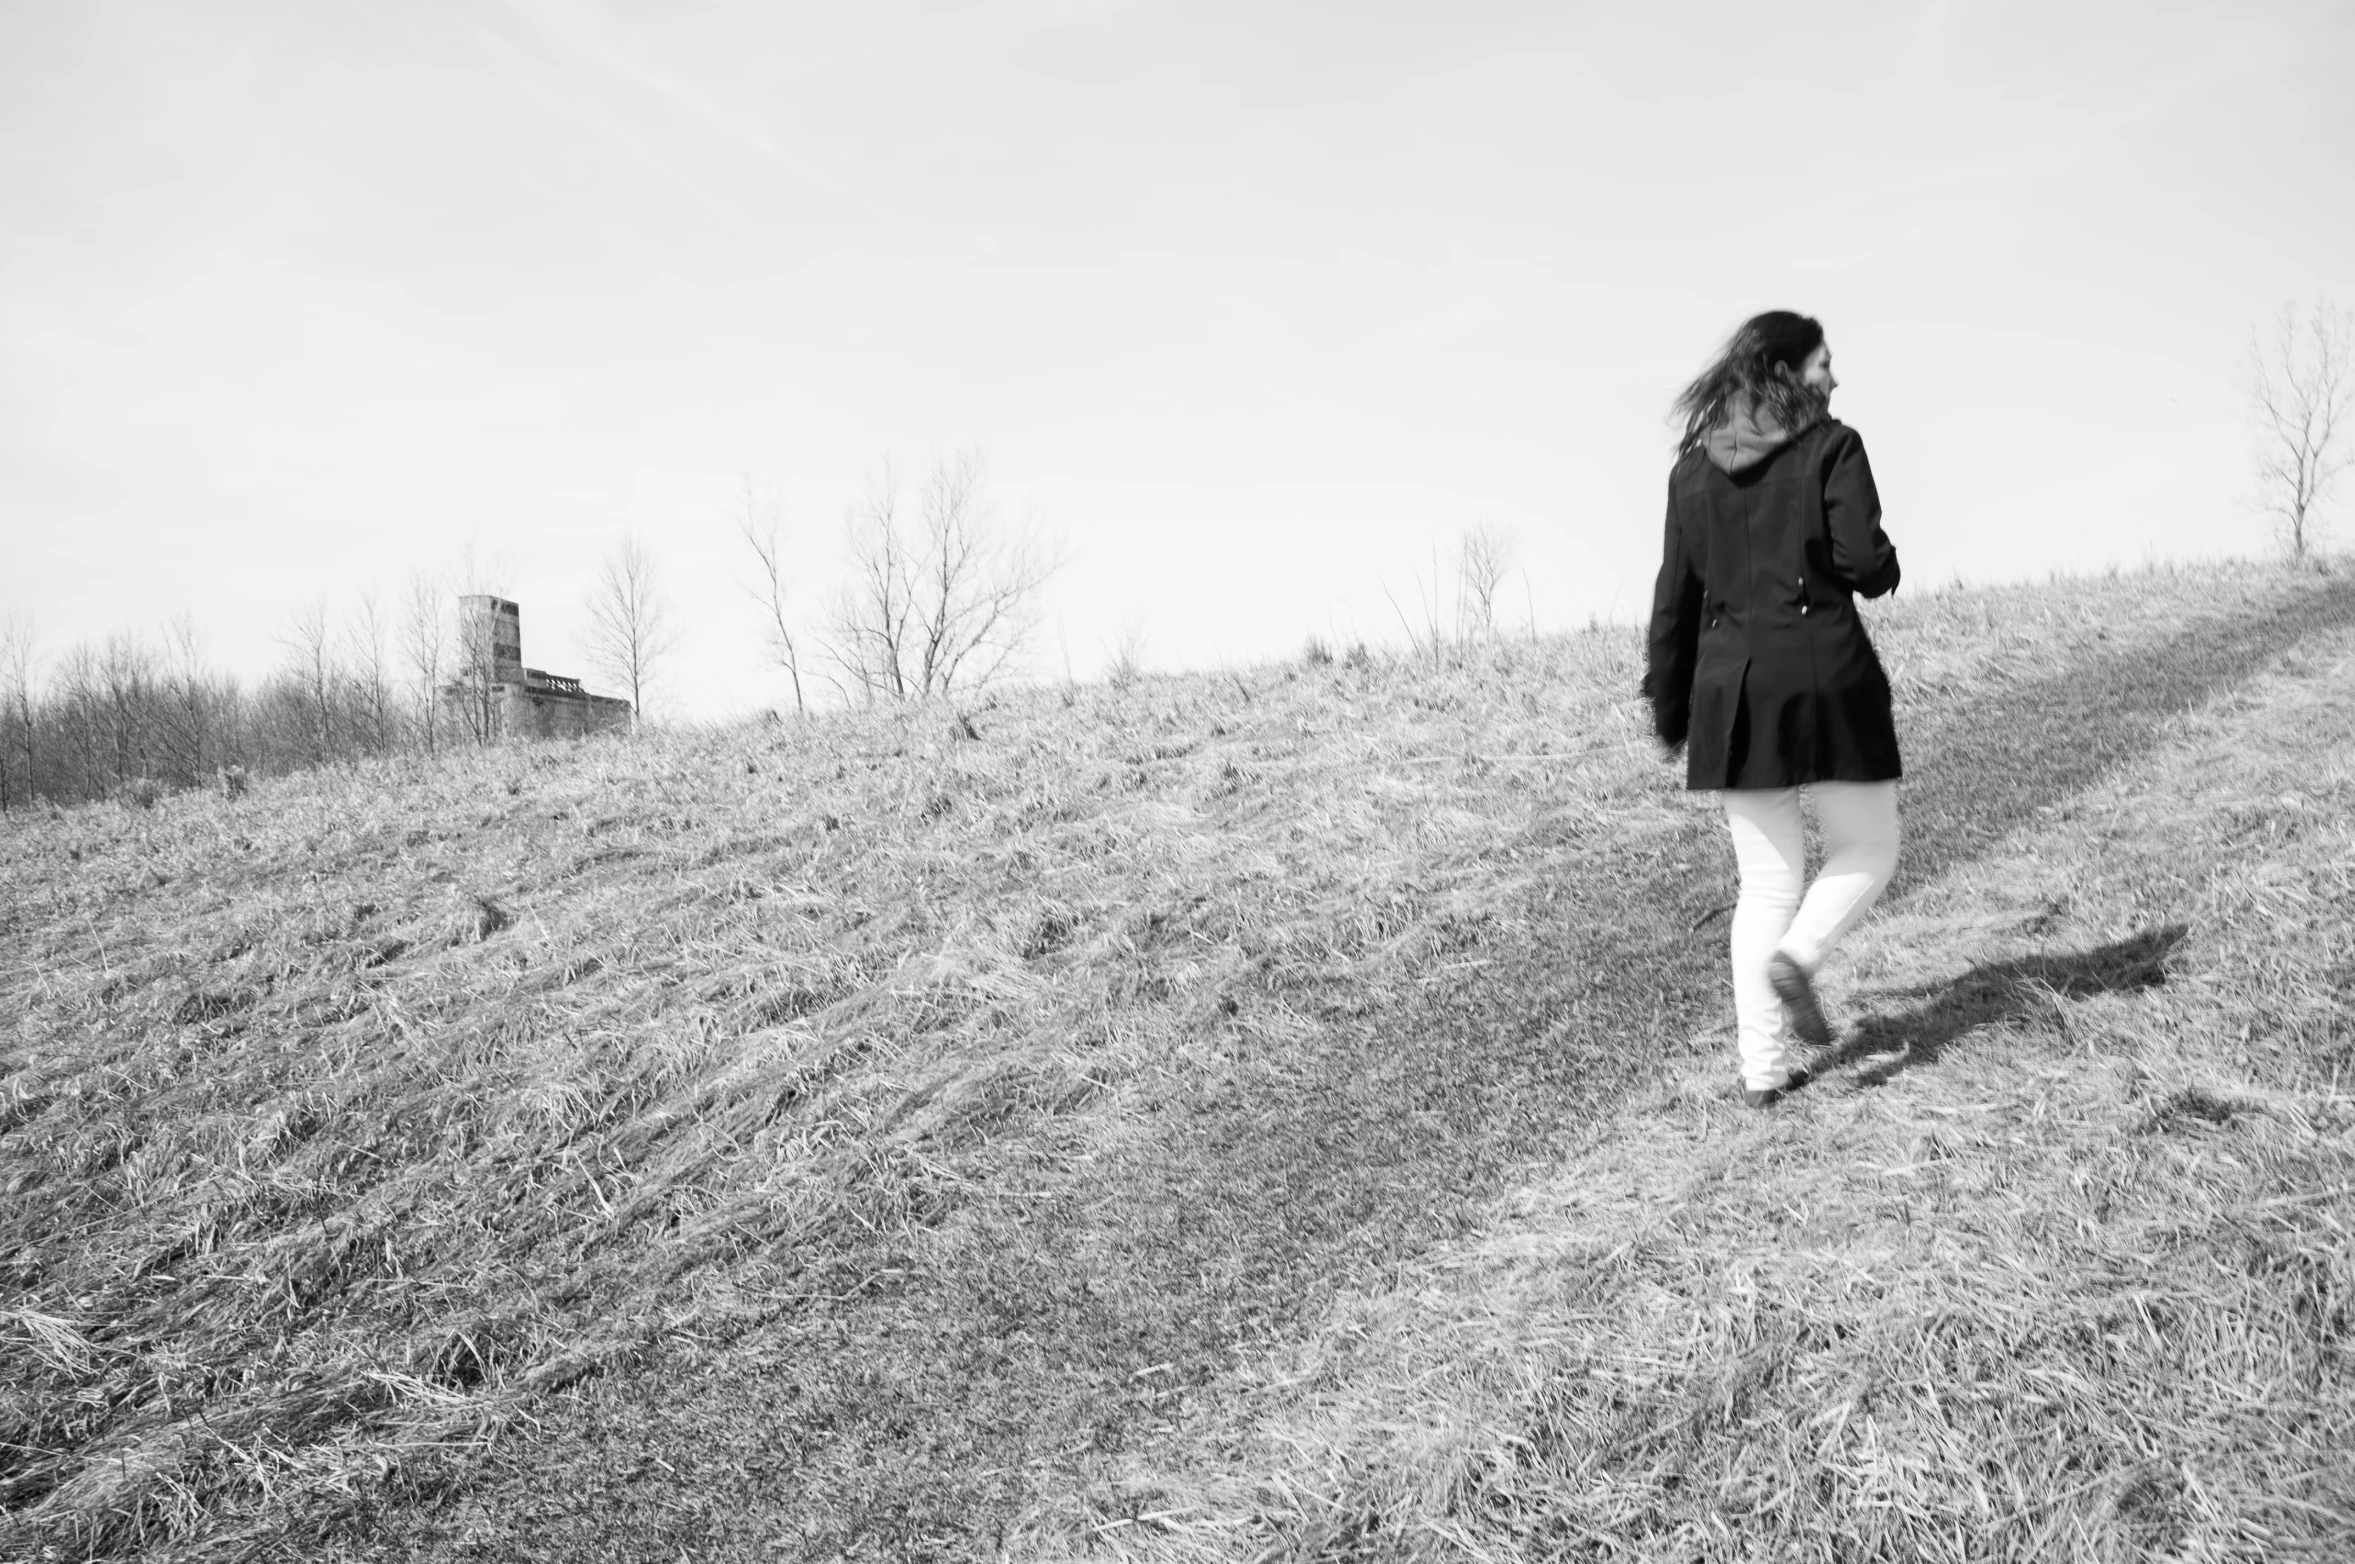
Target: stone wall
{"points": [[530, 711]]}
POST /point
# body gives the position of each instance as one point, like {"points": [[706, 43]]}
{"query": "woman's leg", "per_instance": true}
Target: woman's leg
{"points": [[1770, 846], [1860, 854]]}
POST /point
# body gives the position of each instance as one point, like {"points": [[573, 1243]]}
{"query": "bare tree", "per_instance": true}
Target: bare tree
{"points": [[477, 679], [2302, 397], [1484, 555], [761, 523], [476, 659], [1129, 649], [425, 644], [127, 669], [189, 702], [79, 704], [943, 602], [370, 676], [17, 728], [871, 614], [310, 645], [630, 631]]}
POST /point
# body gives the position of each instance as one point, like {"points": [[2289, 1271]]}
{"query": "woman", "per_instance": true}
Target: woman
{"points": [[1759, 665]]}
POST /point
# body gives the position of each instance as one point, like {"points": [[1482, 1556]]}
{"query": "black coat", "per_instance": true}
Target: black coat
{"points": [[1757, 659]]}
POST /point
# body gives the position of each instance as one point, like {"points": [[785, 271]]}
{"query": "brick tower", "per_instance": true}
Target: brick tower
{"points": [[490, 639]]}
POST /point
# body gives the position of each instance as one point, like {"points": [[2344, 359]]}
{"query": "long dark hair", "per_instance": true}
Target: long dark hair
{"points": [[1757, 368]]}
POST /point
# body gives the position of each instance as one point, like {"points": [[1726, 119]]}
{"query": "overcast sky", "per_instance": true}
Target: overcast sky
{"points": [[1256, 305]]}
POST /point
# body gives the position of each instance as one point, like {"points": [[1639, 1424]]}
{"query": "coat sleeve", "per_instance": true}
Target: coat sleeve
{"points": [[1675, 637], [1862, 555]]}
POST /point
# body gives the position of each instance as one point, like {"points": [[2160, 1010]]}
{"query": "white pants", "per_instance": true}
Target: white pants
{"points": [[1859, 822]]}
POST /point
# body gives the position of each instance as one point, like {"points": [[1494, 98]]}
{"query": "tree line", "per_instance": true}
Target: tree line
{"points": [[138, 712], [939, 594]]}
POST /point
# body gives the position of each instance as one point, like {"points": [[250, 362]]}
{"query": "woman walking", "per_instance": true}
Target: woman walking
{"points": [[1760, 667]]}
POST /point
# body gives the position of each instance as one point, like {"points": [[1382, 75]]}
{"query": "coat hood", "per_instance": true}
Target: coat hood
{"points": [[1747, 436]]}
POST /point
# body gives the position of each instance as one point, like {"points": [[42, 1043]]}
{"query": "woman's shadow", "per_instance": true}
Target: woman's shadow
{"points": [[2002, 993]]}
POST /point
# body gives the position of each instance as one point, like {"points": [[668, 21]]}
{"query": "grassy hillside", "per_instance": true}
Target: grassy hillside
{"points": [[1264, 1114], [2058, 1264]]}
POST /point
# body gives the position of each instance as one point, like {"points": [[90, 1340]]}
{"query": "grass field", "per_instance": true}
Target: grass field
{"points": [[1285, 1114]]}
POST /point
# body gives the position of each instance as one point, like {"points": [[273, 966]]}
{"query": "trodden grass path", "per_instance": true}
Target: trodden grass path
{"points": [[851, 1143]]}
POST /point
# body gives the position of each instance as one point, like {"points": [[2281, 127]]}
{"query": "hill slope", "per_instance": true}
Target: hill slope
{"points": [[863, 1140], [2059, 1263]]}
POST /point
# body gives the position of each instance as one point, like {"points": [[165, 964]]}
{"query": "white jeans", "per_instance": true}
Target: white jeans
{"points": [[1859, 822]]}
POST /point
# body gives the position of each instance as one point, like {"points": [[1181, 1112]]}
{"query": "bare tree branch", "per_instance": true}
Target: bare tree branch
{"points": [[761, 523], [76, 688], [370, 675], [188, 707], [425, 643], [312, 648], [473, 573], [1129, 650]]}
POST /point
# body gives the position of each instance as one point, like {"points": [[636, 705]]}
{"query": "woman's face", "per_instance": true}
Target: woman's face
{"points": [[1816, 373]]}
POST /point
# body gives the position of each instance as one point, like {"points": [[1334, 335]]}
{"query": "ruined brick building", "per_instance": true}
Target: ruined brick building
{"points": [[495, 696]]}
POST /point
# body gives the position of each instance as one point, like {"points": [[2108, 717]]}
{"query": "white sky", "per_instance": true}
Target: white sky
{"points": [[1255, 304]]}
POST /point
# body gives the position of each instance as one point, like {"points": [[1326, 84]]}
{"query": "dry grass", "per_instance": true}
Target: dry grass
{"points": [[2059, 1265], [867, 1139]]}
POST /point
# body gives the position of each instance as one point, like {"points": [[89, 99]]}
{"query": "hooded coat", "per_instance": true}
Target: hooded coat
{"points": [[1757, 661]]}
